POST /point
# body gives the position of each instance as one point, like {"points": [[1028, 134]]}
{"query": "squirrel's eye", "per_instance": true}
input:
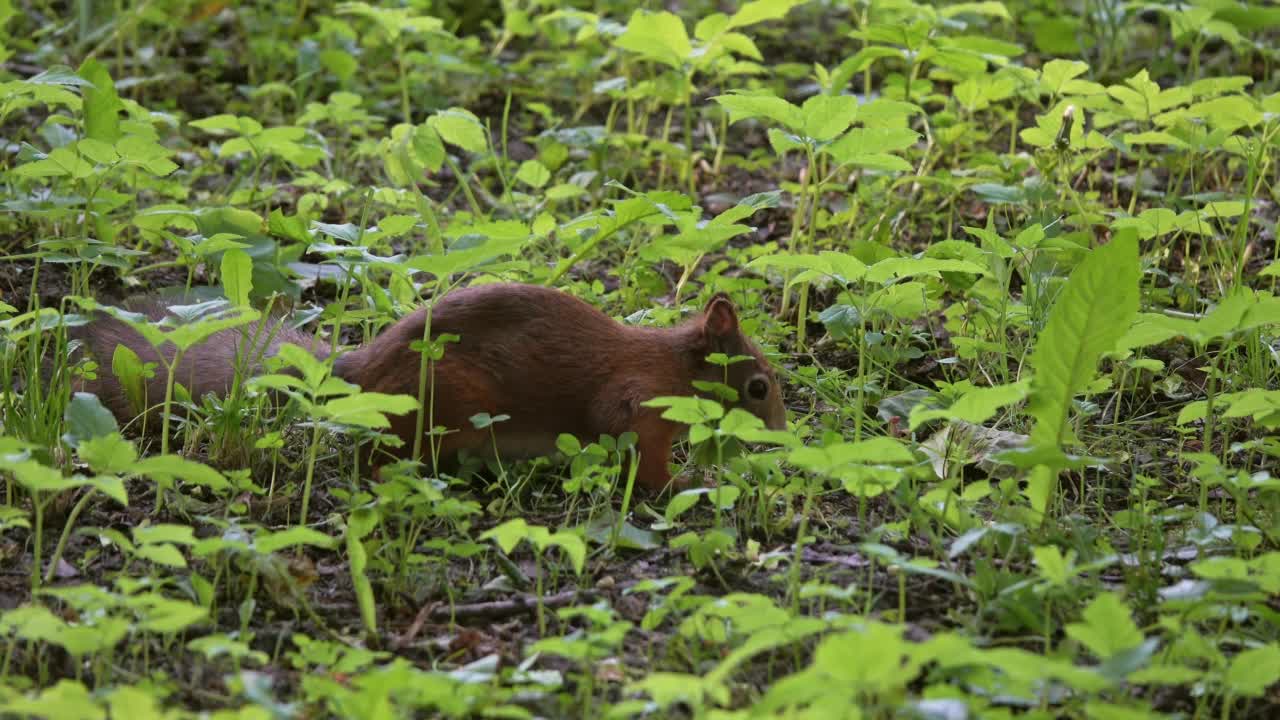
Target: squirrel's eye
{"points": [[757, 389]]}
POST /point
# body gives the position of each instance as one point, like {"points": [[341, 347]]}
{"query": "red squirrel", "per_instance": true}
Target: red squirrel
{"points": [[551, 362]]}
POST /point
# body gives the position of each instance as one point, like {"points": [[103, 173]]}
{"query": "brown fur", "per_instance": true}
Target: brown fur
{"points": [[553, 363], [207, 368]]}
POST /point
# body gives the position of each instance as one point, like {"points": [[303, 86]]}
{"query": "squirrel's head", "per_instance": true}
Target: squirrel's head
{"points": [[753, 379]]}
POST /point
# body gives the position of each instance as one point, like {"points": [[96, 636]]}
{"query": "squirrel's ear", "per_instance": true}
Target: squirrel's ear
{"points": [[720, 319]]}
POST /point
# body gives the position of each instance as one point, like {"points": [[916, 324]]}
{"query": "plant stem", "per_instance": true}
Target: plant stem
{"points": [[66, 533]]}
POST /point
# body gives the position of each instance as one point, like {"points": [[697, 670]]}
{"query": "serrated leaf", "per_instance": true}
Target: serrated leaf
{"points": [[1108, 628], [826, 116], [108, 453], [460, 127]]}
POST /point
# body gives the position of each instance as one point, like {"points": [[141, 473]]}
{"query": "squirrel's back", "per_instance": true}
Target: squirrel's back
{"points": [[209, 367]]}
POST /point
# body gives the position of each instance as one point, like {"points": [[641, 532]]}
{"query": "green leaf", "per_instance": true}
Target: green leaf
{"points": [[1053, 567], [460, 127], [108, 453], [989, 8], [368, 409], [168, 616], [236, 273], [533, 173], [870, 147], [826, 116], [831, 459], [1108, 628], [102, 105], [758, 11], [466, 260], [509, 534], [38, 478], [228, 124], [657, 36], [975, 406], [1253, 671], [687, 409], [292, 537], [189, 334], [87, 418], [169, 467], [573, 546], [900, 267], [60, 162], [745, 107], [59, 75], [1092, 312], [844, 268], [1056, 73]]}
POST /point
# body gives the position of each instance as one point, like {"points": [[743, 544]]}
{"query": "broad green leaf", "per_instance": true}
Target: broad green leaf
{"points": [[533, 173], [87, 418], [1252, 671], [1108, 628], [460, 127], [188, 334], [871, 148], [169, 467], [292, 537], [60, 162], [164, 533], [509, 534], [989, 8], [757, 11], [1052, 565], [658, 36], [59, 75], [466, 260], [687, 409], [826, 116], [108, 453], [1057, 73], [975, 406], [102, 105], [37, 478], [845, 268], [745, 107], [910, 267], [368, 409], [1092, 312], [572, 545], [168, 616], [228, 124]]}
